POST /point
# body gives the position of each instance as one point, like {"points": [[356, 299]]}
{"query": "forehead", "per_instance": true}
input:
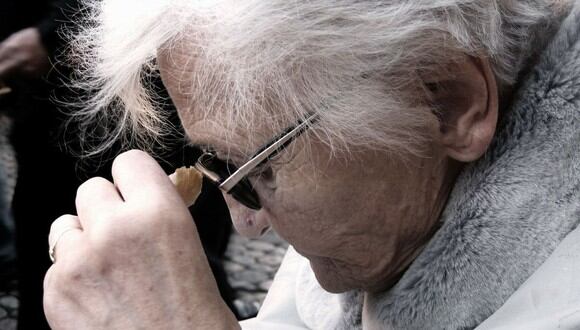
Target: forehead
{"points": [[213, 118], [209, 134]]}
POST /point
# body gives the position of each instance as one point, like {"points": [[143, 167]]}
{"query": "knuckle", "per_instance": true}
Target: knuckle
{"points": [[88, 186], [60, 221], [128, 161], [69, 271], [102, 238], [79, 267], [67, 274], [109, 240], [114, 249], [128, 156], [129, 227], [106, 217]]}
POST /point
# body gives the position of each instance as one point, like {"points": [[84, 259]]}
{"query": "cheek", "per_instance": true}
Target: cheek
{"points": [[327, 217], [308, 215]]}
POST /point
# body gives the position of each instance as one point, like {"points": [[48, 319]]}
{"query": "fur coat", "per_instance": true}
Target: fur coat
{"points": [[507, 213]]}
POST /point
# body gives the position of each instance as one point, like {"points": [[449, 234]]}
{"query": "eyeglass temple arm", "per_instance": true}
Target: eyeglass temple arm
{"points": [[267, 152]]}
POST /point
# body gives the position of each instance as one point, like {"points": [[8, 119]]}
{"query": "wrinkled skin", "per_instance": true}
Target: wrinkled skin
{"points": [[132, 258], [360, 221]]}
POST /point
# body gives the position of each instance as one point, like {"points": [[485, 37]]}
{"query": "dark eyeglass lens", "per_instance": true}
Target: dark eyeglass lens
{"points": [[243, 191], [218, 166]]}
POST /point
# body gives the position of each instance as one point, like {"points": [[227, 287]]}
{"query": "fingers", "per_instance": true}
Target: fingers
{"points": [[95, 197], [62, 232], [139, 178]]}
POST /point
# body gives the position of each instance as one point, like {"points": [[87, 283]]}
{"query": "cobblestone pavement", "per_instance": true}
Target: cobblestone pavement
{"points": [[7, 159], [251, 265], [8, 307], [8, 294]]}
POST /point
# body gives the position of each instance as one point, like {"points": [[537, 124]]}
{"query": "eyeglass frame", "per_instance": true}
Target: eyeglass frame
{"points": [[265, 153]]}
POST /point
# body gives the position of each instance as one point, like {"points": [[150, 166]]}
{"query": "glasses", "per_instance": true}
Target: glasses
{"points": [[233, 180]]}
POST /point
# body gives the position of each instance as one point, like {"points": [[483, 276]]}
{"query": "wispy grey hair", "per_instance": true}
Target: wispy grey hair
{"points": [[363, 65]]}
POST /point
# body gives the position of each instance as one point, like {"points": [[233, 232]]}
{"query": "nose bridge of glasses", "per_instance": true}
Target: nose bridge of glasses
{"points": [[208, 173], [213, 168], [216, 170]]}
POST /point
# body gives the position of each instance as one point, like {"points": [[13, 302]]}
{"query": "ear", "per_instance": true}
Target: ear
{"points": [[467, 104]]}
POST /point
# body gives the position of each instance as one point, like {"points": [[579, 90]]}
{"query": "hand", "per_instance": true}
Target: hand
{"points": [[23, 54], [132, 258]]}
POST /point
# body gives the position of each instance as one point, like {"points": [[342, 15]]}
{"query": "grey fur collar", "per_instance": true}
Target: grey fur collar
{"points": [[507, 212]]}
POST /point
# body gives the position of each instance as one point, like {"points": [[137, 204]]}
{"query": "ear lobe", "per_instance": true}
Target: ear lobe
{"points": [[467, 106]]}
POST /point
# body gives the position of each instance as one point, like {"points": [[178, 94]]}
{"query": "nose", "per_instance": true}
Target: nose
{"points": [[248, 222]]}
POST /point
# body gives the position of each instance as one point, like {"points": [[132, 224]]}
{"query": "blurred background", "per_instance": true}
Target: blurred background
{"points": [[40, 171]]}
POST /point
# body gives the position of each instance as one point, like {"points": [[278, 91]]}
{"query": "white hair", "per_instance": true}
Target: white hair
{"points": [[361, 64]]}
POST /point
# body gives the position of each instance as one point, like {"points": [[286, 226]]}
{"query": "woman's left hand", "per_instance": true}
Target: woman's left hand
{"points": [[132, 258]]}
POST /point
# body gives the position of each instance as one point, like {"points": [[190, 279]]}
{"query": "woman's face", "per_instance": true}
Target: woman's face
{"points": [[360, 221]]}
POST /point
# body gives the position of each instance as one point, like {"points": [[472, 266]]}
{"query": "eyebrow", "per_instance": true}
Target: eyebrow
{"points": [[270, 149], [236, 158]]}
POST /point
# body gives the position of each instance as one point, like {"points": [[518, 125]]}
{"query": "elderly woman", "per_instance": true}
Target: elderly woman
{"points": [[421, 158]]}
